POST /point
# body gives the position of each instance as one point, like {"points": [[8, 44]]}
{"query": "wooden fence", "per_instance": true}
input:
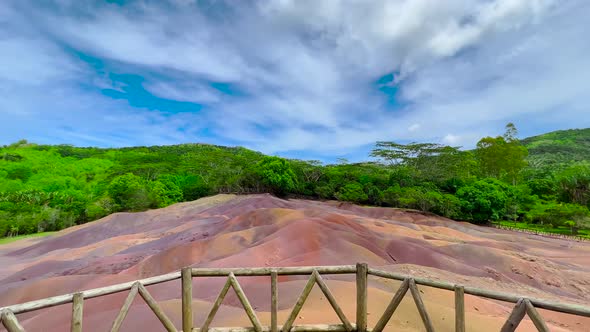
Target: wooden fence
{"points": [[523, 305], [541, 233]]}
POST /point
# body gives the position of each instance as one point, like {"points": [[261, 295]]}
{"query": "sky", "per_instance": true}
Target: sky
{"points": [[301, 79]]}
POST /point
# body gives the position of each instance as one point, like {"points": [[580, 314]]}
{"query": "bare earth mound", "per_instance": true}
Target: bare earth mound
{"points": [[261, 230]]}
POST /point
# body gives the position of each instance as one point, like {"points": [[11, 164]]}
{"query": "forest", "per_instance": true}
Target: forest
{"points": [[542, 181]]}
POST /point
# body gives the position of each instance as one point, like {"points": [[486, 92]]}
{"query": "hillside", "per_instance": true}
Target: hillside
{"points": [[262, 230], [48, 188], [559, 147]]}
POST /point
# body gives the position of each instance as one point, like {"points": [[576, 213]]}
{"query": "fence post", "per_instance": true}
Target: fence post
{"points": [[459, 308], [77, 312], [274, 307], [187, 299], [10, 322], [361, 296]]}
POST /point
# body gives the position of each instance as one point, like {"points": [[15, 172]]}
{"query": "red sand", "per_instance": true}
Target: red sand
{"points": [[261, 230]]}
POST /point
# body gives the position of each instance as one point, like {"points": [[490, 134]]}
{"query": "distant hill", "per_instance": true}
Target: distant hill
{"points": [[558, 147]]}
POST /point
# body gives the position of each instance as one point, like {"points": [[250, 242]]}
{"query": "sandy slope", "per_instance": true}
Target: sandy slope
{"points": [[261, 230]]}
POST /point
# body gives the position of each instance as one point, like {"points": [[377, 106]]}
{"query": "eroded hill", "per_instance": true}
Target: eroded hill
{"points": [[262, 230]]}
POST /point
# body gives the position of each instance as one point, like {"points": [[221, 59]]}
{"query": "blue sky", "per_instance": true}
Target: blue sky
{"points": [[304, 79]]}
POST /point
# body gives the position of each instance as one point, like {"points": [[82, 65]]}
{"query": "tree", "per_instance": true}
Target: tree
{"points": [[308, 174], [277, 174], [129, 192], [193, 187], [19, 172], [571, 224], [165, 191], [403, 176], [352, 192], [391, 195], [502, 157], [450, 206], [408, 154], [557, 214], [484, 200], [45, 187], [574, 184], [13, 230]]}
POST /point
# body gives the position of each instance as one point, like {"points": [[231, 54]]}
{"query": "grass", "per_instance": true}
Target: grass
{"points": [[542, 228], [6, 240]]}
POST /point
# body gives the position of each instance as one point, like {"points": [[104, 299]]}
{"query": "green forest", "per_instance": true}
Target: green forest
{"points": [[542, 181]]}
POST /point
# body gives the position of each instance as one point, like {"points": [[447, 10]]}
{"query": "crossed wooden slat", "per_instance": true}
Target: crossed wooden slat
{"points": [[522, 307], [11, 323], [397, 299], [147, 297], [315, 278], [232, 282]]}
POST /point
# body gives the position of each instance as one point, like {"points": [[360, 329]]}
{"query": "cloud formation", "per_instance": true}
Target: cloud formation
{"points": [[298, 77]]}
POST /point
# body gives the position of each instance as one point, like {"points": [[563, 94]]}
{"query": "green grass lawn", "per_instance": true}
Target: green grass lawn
{"points": [[6, 240], [535, 227]]}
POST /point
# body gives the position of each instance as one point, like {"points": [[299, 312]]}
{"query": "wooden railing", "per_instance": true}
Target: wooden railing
{"points": [[524, 305], [541, 233]]}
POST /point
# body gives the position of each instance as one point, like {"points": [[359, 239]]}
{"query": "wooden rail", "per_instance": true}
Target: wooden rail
{"points": [[524, 305], [578, 238]]}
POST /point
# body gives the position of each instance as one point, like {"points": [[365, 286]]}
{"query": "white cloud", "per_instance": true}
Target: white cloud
{"points": [[305, 70], [451, 139], [414, 127], [184, 91]]}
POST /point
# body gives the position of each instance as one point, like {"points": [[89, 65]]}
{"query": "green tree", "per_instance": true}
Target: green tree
{"points": [[502, 157], [484, 200], [408, 154], [392, 195], [352, 192], [571, 224], [448, 206], [277, 175], [557, 214], [129, 192], [165, 191], [193, 187], [574, 184], [19, 172]]}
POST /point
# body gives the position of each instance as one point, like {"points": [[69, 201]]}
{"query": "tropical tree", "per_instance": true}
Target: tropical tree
{"points": [[502, 157], [276, 173], [574, 184], [484, 200], [352, 192], [129, 192]]}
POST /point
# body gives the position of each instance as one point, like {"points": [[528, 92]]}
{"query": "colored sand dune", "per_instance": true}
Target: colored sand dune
{"points": [[262, 230]]}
